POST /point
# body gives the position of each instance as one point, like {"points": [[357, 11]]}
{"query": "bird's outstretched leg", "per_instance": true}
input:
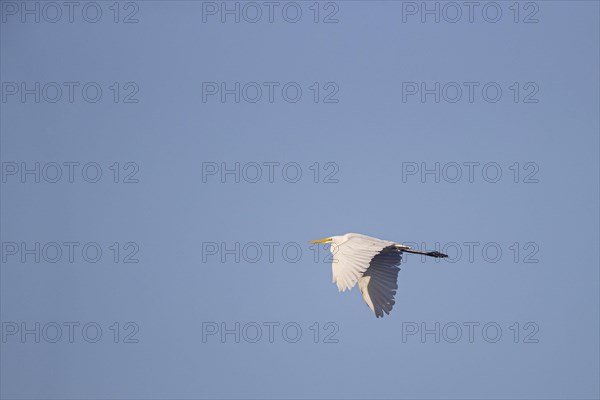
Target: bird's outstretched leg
{"points": [[435, 254]]}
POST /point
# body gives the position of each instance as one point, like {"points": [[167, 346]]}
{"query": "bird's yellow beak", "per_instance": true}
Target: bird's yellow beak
{"points": [[326, 240]]}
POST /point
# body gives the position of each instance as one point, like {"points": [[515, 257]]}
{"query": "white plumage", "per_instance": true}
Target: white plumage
{"points": [[371, 262]]}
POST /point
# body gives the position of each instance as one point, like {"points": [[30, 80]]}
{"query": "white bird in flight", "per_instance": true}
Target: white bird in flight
{"points": [[371, 262]]}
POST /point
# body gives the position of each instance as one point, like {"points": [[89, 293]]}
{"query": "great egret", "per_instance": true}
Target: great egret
{"points": [[371, 262]]}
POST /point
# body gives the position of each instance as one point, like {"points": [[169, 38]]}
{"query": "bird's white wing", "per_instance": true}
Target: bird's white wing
{"points": [[379, 283], [352, 258]]}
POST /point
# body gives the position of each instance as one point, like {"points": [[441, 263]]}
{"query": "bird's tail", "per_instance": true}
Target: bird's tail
{"points": [[435, 254]]}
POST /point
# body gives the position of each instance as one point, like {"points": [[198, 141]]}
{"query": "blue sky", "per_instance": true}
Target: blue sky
{"points": [[523, 244]]}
